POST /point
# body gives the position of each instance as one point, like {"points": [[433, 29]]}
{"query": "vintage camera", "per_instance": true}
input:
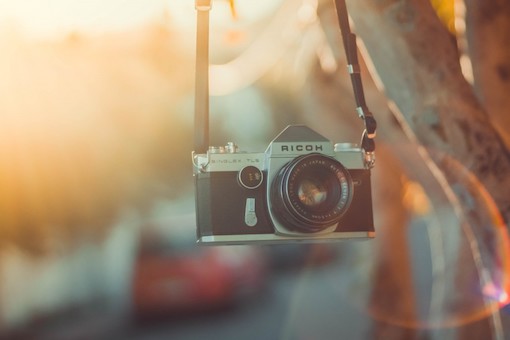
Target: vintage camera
{"points": [[302, 188]]}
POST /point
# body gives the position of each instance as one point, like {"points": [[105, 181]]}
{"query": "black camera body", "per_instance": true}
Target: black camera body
{"points": [[302, 188]]}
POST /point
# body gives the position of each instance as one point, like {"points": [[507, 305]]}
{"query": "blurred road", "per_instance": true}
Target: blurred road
{"points": [[307, 303], [325, 302]]}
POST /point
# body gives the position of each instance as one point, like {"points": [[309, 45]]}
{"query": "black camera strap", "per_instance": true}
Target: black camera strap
{"points": [[351, 53], [202, 80]]}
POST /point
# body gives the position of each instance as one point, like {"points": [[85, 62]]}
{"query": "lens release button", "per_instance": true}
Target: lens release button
{"points": [[250, 218]]}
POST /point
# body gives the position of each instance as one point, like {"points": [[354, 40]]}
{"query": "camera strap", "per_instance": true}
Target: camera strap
{"points": [[202, 77], [351, 53]]}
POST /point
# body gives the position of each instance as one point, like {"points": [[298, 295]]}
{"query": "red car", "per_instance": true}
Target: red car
{"points": [[174, 274]]}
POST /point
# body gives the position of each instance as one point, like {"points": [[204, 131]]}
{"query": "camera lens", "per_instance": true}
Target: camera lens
{"points": [[311, 193]]}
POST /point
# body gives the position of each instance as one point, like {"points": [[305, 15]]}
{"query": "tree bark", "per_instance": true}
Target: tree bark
{"points": [[417, 60], [488, 42]]}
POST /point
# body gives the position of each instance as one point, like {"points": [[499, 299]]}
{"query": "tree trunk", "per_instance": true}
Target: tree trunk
{"points": [[488, 42], [417, 60]]}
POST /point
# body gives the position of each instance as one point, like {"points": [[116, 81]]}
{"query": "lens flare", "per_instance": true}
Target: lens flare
{"points": [[448, 267], [464, 275]]}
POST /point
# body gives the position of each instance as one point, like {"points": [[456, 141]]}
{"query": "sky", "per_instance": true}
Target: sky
{"points": [[50, 17], [47, 18], [267, 21]]}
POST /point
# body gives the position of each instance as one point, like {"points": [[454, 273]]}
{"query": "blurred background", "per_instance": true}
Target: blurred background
{"points": [[97, 218]]}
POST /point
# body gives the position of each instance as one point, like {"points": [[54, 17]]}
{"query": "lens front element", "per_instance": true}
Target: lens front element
{"points": [[311, 193]]}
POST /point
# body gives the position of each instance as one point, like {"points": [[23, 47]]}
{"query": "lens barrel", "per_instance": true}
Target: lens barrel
{"points": [[311, 193]]}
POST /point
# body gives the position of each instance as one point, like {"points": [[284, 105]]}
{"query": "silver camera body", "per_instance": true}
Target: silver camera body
{"points": [[302, 188]]}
